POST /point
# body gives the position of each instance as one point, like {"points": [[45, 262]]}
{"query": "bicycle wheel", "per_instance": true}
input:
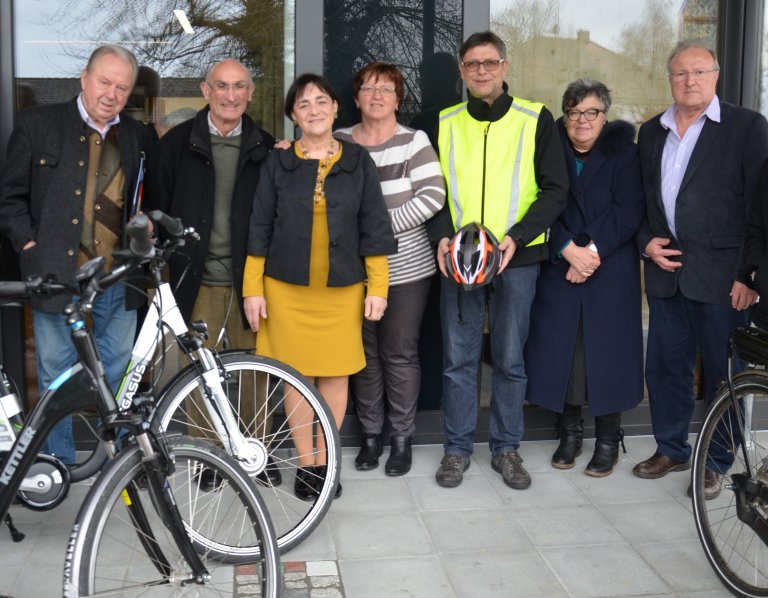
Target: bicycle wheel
{"points": [[283, 417], [109, 547], [732, 543]]}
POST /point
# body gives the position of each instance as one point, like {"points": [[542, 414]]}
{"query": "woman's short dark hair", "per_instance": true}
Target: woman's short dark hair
{"points": [[300, 84], [376, 70], [581, 88]]}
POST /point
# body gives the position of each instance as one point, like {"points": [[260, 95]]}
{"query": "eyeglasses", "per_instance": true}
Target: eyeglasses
{"points": [[682, 75], [489, 65], [370, 90], [221, 87], [589, 114]]}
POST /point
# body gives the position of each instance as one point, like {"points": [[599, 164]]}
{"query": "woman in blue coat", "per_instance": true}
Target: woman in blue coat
{"points": [[585, 346]]}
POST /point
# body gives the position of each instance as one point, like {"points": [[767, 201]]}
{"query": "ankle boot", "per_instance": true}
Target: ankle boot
{"points": [[399, 461], [571, 430], [608, 435], [370, 451]]}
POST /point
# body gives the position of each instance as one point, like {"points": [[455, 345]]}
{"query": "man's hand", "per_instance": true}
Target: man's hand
{"points": [[28, 245], [443, 247], [575, 276], [255, 310], [742, 297], [283, 144], [374, 308], [584, 261], [507, 248], [657, 252]]}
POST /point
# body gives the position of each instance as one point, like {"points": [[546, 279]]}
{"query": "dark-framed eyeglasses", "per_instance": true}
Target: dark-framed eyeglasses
{"points": [[590, 113], [489, 65]]}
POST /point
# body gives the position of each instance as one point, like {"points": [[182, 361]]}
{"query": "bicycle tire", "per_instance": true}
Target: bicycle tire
{"points": [[733, 548], [107, 554], [294, 519]]}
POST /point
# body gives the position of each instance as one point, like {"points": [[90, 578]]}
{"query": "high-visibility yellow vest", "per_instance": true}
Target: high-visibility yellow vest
{"points": [[488, 166]]}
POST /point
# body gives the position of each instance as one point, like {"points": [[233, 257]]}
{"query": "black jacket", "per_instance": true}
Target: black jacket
{"points": [[181, 182], [43, 189], [718, 187], [358, 222]]}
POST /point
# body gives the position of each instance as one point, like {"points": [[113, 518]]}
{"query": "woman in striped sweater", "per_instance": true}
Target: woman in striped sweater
{"points": [[414, 191]]}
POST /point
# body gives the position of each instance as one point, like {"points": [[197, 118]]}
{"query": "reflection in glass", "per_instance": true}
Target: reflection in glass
{"points": [[622, 42], [55, 37]]}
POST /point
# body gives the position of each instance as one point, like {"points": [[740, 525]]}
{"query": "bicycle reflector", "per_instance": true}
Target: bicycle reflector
{"points": [[473, 257]]}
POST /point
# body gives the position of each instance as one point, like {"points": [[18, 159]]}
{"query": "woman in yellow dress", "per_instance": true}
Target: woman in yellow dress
{"points": [[319, 228]]}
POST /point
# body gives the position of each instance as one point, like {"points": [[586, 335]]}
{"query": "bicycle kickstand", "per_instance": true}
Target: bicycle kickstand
{"points": [[16, 535]]}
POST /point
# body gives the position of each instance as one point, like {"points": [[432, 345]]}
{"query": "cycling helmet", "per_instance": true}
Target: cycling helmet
{"points": [[473, 257]]}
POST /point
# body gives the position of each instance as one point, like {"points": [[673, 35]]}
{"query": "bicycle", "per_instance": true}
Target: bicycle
{"points": [[208, 399], [148, 509], [733, 526]]}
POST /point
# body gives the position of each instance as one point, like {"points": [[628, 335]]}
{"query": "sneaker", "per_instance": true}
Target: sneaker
{"points": [[451, 470], [510, 466]]}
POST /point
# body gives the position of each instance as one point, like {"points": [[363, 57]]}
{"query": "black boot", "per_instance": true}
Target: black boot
{"points": [[399, 461], [608, 435], [370, 451], [569, 424]]}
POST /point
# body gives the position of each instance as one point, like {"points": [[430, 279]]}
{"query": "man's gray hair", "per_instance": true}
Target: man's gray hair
{"points": [[120, 52], [581, 88], [687, 44], [217, 63]]}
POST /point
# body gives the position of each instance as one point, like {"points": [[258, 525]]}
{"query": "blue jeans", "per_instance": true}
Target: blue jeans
{"points": [[678, 328], [114, 329], [509, 303]]}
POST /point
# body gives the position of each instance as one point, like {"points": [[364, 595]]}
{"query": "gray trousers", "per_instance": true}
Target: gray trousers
{"points": [[392, 375]]}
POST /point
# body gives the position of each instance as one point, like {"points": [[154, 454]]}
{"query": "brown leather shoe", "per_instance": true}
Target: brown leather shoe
{"points": [[713, 485], [658, 466]]}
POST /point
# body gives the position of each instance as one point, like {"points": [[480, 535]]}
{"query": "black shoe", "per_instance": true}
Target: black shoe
{"points": [[571, 432], [608, 436], [399, 461], [370, 451], [271, 475], [208, 480], [307, 484]]}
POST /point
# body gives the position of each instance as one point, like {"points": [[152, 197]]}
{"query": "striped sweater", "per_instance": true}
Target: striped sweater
{"points": [[414, 191]]}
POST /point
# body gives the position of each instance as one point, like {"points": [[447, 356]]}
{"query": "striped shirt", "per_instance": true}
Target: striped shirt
{"points": [[414, 191]]}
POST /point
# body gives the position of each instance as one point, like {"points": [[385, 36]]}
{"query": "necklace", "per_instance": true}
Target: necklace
{"points": [[322, 169]]}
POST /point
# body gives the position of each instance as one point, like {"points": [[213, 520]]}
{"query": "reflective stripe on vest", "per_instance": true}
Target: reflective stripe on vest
{"points": [[480, 165]]}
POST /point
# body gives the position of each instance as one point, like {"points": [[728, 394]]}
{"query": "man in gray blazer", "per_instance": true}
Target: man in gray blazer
{"points": [[66, 192], [700, 161]]}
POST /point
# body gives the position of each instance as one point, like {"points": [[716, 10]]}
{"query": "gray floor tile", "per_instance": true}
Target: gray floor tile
{"points": [[375, 495], [681, 565], [382, 535], [319, 546], [501, 574], [566, 526], [476, 491], [622, 486], [475, 531], [603, 570], [550, 488], [658, 521], [422, 577], [39, 582]]}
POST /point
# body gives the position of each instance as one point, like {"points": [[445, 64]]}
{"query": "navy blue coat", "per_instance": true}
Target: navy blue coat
{"points": [[605, 204]]}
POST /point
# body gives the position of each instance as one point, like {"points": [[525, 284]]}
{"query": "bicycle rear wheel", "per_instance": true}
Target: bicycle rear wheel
{"points": [[108, 548], [283, 417], [734, 546]]}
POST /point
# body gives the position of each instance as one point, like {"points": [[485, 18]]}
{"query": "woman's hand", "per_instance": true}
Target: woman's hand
{"points": [[374, 308], [282, 144], [583, 260], [255, 310]]}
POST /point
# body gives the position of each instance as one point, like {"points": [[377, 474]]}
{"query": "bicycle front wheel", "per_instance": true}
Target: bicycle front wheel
{"points": [[121, 546], [287, 425], [729, 524]]}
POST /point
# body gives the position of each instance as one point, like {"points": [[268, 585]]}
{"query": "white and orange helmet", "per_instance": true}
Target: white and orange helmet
{"points": [[473, 257]]}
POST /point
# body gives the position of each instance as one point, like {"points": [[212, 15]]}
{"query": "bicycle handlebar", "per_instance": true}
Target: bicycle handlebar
{"points": [[173, 226], [140, 244], [34, 286]]}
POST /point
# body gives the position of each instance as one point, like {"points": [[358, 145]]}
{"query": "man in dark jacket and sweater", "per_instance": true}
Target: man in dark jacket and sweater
{"points": [[204, 171], [65, 196]]}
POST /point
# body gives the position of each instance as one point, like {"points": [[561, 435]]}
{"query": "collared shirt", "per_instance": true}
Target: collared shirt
{"points": [[89, 121], [677, 154], [214, 131]]}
